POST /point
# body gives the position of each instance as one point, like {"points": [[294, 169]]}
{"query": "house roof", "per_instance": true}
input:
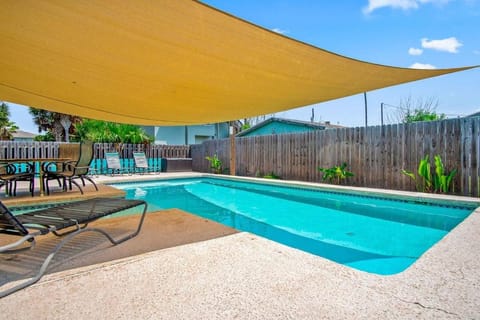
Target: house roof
{"points": [[329, 125], [312, 125], [168, 63], [23, 134], [476, 114]]}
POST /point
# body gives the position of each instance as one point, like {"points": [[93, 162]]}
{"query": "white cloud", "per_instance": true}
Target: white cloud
{"points": [[449, 44], [277, 30], [418, 65], [415, 51], [398, 4], [476, 51]]}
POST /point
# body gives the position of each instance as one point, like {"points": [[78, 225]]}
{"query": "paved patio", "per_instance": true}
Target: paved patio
{"points": [[243, 276]]}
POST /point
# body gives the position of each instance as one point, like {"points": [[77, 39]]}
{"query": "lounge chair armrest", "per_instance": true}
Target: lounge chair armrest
{"points": [[13, 246], [10, 168]]}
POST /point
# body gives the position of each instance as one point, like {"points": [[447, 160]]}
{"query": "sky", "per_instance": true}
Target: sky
{"points": [[402, 33]]}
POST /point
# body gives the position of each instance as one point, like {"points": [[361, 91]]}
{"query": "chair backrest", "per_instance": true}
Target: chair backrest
{"points": [[113, 160], [9, 223], [140, 160], [68, 150], [86, 156]]}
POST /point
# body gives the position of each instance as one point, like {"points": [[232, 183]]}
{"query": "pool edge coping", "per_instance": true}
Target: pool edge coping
{"points": [[363, 191]]}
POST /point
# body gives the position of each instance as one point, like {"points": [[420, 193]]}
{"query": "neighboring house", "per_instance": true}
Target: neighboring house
{"points": [[20, 135], [186, 135], [281, 126], [476, 114]]}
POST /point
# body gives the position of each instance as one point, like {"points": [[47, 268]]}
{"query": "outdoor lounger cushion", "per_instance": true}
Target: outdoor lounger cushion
{"points": [[72, 217]]}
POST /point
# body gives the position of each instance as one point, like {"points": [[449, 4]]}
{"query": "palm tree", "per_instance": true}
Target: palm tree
{"points": [[59, 124], [7, 127]]}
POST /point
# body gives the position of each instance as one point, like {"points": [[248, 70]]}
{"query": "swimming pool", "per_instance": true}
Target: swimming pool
{"points": [[370, 233]]}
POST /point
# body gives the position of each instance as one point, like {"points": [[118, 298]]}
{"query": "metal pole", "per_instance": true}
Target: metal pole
{"points": [[233, 153], [366, 109], [381, 112]]}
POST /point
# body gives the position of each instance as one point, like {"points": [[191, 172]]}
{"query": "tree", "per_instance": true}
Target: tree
{"points": [[102, 131], [65, 121], [60, 125], [48, 136], [7, 127], [422, 115], [422, 110]]}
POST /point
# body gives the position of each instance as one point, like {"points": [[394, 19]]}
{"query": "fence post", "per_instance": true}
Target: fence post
{"points": [[232, 154]]}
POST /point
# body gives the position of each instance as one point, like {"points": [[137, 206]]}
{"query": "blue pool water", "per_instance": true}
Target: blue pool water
{"points": [[372, 234]]}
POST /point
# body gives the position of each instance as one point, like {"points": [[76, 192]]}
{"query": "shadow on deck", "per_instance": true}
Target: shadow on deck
{"points": [[162, 229]]}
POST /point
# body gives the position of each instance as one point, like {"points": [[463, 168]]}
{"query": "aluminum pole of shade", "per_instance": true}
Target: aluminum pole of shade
{"points": [[381, 112], [366, 109]]}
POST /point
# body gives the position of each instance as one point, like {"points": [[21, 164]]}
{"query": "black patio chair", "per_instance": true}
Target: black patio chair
{"points": [[9, 176], [73, 170], [50, 169], [72, 218]]}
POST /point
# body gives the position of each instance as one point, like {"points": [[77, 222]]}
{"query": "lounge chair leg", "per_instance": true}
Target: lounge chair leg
{"points": [[32, 186], [94, 184], [75, 183]]}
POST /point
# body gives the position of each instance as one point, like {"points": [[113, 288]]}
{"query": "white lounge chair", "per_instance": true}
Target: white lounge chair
{"points": [[114, 164], [141, 163]]}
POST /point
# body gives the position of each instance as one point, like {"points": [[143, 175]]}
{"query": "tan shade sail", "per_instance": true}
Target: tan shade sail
{"points": [[167, 62]]}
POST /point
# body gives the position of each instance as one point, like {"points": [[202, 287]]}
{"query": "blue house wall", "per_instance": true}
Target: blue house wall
{"points": [[186, 135], [278, 128]]}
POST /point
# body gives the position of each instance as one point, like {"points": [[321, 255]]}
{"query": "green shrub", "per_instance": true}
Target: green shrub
{"points": [[336, 174], [425, 181], [215, 164], [271, 175]]}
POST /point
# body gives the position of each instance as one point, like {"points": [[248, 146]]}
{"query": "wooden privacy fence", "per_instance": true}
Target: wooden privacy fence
{"points": [[376, 155], [154, 153]]}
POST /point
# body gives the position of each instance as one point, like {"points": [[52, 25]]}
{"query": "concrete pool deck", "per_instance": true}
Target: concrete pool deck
{"points": [[243, 276]]}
